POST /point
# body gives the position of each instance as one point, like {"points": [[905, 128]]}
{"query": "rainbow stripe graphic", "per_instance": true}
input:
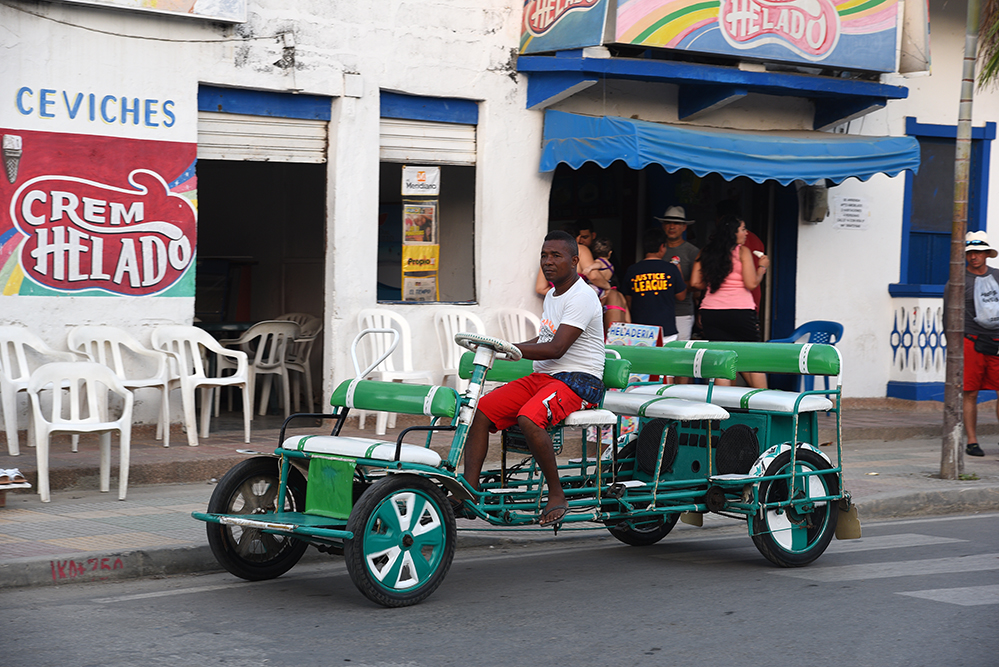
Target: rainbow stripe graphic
{"points": [[667, 24]]}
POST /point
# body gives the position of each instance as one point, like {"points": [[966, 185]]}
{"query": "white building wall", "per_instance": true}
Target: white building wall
{"points": [[458, 48]]}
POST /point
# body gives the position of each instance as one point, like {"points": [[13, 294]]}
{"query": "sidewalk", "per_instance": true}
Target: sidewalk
{"points": [[891, 457]]}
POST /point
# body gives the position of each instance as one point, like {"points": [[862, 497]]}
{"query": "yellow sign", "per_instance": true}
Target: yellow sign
{"points": [[419, 272]]}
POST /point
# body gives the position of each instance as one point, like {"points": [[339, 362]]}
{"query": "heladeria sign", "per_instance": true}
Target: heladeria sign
{"points": [[849, 34]]}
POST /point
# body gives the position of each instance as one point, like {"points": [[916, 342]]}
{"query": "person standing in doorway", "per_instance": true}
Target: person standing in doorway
{"points": [[652, 285], [981, 331], [681, 254], [753, 242], [725, 270]]}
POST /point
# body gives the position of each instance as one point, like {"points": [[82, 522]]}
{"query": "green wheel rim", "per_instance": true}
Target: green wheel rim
{"points": [[403, 541], [797, 534]]}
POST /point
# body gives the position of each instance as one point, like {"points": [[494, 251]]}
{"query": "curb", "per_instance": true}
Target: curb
{"points": [[189, 559]]}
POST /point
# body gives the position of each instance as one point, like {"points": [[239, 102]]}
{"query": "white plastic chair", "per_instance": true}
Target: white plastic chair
{"points": [[266, 346], [119, 351], [189, 348], [397, 367], [518, 325], [21, 352], [448, 322], [86, 411], [300, 354]]}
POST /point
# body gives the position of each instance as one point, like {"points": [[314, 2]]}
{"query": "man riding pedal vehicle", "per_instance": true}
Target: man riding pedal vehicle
{"points": [[568, 356]]}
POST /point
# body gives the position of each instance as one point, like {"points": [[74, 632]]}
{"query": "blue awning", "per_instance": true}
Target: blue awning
{"points": [[784, 156]]}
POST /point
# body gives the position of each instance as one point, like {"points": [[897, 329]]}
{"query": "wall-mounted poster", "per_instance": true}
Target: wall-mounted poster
{"points": [[230, 11], [420, 266], [852, 34], [421, 181], [88, 215], [419, 223]]}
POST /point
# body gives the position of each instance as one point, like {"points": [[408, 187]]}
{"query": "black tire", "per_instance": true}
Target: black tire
{"points": [[387, 562], [783, 536], [251, 487], [644, 532]]}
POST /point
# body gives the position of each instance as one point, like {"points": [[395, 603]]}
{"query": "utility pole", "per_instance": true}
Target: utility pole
{"points": [[952, 454]]}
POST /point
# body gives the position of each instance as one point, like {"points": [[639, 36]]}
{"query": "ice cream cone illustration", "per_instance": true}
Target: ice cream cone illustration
{"points": [[11, 155]]}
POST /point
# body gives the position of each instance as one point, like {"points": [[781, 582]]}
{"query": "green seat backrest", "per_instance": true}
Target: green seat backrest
{"points": [[409, 399], [775, 357], [616, 371], [679, 362]]}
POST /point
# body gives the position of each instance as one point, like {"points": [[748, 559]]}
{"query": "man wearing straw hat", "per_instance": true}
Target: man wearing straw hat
{"points": [[682, 254], [981, 331]]}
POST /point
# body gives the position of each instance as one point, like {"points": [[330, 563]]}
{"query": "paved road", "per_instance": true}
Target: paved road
{"points": [[911, 592]]}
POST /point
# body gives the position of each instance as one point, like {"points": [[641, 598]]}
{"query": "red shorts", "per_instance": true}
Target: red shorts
{"points": [[539, 397], [980, 371]]}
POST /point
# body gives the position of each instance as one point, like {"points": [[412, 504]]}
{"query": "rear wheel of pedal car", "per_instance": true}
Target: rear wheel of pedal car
{"points": [[404, 540], [789, 537], [251, 488], [644, 532]]}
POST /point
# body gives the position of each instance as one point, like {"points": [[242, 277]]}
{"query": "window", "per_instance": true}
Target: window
{"points": [[929, 205], [431, 132]]}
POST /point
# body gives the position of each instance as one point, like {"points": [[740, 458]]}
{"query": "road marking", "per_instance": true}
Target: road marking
{"points": [[163, 594], [904, 568], [971, 596], [888, 542], [932, 519]]}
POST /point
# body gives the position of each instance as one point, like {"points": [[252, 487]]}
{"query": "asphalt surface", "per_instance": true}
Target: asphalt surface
{"points": [[891, 457]]}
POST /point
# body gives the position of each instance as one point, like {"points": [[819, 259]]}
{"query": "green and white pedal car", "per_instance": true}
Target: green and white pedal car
{"points": [[698, 448]]}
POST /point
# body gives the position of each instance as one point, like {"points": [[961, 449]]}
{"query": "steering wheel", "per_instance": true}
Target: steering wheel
{"points": [[504, 350]]}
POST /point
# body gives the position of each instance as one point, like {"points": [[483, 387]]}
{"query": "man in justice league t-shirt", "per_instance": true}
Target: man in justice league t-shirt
{"points": [[651, 285]]}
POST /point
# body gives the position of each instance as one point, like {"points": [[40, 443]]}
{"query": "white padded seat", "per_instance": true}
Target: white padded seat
{"points": [[746, 398], [362, 448], [594, 417], [643, 405]]}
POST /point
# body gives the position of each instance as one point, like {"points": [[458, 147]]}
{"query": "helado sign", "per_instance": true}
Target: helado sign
{"points": [[89, 215], [85, 235], [541, 15], [810, 28]]}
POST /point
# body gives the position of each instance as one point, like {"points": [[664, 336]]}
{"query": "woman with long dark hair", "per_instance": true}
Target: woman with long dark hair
{"points": [[725, 270]]}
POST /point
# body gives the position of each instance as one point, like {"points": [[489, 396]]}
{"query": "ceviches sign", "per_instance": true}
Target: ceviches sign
{"points": [[847, 34]]}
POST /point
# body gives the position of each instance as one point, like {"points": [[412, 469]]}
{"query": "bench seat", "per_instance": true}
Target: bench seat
{"points": [[362, 448], [641, 404], [744, 398], [593, 417], [411, 399]]}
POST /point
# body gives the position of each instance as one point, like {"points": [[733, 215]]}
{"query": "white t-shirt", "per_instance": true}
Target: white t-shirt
{"points": [[578, 307]]}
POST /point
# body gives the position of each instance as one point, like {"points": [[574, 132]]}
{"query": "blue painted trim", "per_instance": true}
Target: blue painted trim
{"points": [[906, 228], [899, 290], [665, 71], [927, 391], [439, 109], [829, 113], [694, 99], [264, 103], [785, 265], [917, 129], [980, 181], [546, 87]]}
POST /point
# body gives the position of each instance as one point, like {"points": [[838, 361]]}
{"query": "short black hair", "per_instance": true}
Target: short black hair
{"points": [[653, 239], [564, 237], [574, 228]]}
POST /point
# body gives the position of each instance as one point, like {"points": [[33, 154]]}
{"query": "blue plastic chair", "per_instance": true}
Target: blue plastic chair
{"points": [[816, 331]]}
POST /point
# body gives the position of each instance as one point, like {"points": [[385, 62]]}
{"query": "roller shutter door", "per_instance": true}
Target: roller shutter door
{"points": [[230, 136], [426, 142]]}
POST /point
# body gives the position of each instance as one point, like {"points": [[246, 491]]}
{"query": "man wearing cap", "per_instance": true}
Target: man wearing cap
{"points": [[981, 350], [682, 254]]}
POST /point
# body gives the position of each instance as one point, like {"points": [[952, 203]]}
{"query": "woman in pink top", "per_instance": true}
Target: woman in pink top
{"points": [[725, 269]]}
